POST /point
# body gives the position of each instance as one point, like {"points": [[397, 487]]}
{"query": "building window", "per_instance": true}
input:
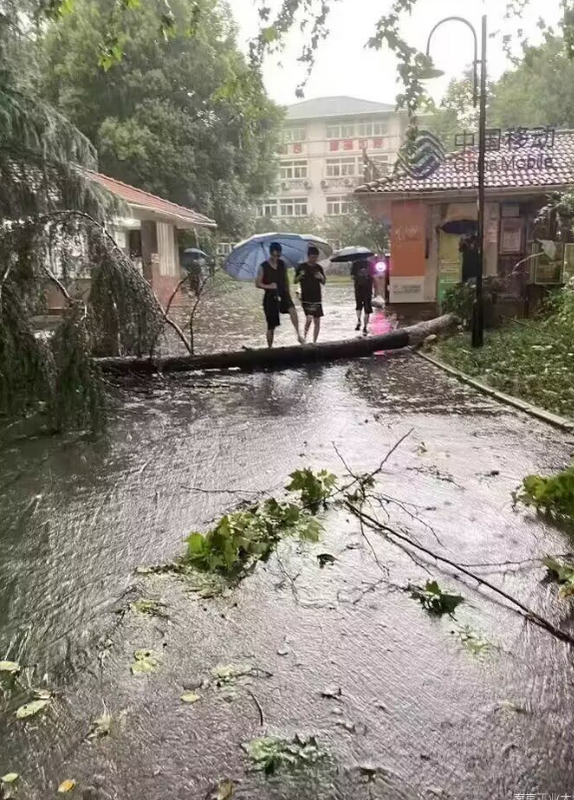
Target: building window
{"points": [[367, 129], [341, 167], [294, 207], [293, 169], [270, 208], [337, 206], [340, 131], [294, 135]]}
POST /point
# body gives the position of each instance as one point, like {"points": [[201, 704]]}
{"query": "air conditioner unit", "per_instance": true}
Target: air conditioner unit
{"points": [[347, 182], [324, 184], [307, 184], [284, 185]]}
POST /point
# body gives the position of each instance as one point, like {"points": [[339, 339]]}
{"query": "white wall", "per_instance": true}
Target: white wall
{"points": [[316, 151]]}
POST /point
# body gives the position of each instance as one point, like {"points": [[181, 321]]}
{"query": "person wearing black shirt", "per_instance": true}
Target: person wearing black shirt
{"points": [[361, 274], [311, 277], [272, 278]]}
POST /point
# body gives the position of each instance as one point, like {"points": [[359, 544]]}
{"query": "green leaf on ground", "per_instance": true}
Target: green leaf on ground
{"points": [[10, 667], [152, 608], [270, 754], [146, 662], [31, 709], [472, 642], [563, 573], [434, 600], [100, 727], [66, 786], [10, 777], [225, 790], [314, 487], [190, 697]]}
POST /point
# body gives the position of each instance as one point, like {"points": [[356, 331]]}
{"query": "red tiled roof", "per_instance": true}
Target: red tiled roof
{"points": [[459, 171], [139, 199]]}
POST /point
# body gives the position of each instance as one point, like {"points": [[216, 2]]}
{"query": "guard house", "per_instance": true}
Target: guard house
{"points": [[147, 233], [429, 215]]}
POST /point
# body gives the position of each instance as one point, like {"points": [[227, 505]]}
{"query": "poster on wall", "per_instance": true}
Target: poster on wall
{"points": [[511, 231]]}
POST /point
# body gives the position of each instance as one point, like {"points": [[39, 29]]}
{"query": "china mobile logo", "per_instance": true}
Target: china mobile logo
{"points": [[424, 156]]}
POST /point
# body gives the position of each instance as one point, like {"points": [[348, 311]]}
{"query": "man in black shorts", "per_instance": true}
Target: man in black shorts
{"points": [[311, 277], [361, 274], [272, 278]]}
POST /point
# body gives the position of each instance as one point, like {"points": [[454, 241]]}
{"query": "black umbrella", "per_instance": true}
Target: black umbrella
{"points": [[351, 254]]}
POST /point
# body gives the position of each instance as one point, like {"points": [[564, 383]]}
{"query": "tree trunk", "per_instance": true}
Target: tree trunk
{"points": [[283, 356]]}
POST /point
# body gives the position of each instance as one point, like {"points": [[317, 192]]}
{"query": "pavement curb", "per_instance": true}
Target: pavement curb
{"points": [[538, 413]]}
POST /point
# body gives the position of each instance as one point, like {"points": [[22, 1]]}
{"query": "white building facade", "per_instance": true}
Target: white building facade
{"points": [[322, 156]]}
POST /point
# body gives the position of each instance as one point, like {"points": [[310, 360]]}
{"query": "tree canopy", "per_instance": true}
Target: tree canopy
{"points": [[180, 116], [537, 90]]}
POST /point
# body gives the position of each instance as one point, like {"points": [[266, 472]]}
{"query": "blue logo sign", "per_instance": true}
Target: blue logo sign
{"points": [[422, 157]]}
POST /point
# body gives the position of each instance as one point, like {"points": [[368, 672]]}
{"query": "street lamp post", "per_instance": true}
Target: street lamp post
{"points": [[479, 97]]}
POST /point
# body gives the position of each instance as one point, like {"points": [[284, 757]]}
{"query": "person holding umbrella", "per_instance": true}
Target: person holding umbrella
{"points": [[272, 279], [362, 278]]}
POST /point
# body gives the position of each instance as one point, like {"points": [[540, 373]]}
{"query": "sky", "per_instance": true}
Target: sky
{"points": [[345, 67]]}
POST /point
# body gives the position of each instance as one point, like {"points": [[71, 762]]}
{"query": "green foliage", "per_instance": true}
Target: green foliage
{"points": [[434, 600], [183, 117], [552, 495], [458, 300], [563, 573], [314, 487], [244, 537], [271, 754], [530, 359]]}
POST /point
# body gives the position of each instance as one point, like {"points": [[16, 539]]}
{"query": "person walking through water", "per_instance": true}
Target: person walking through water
{"points": [[311, 278], [272, 278], [361, 274]]}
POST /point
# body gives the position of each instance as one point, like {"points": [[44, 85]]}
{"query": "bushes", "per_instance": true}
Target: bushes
{"points": [[530, 359]]}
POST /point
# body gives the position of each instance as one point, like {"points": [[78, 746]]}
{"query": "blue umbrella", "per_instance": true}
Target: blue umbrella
{"points": [[244, 260]]}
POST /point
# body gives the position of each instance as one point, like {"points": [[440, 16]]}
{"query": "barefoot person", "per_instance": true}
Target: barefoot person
{"points": [[361, 274], [272, 278], [311, 278]]}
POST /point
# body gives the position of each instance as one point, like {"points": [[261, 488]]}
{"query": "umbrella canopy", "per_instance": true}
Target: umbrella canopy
{"points": [[194, 253], [352, 254], [244, 260]]}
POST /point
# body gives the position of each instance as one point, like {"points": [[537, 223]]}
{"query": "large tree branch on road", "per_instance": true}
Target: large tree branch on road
{"points": [[391, 534]]}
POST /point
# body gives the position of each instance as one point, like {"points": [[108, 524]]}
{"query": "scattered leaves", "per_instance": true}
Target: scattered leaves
{"points": [[227, 674], [270, 754], [434, 600], [100, 727], [10, 777], [190, 697], [32, 709], [224, 791], [66, 786], [314, 487], [150, 607], [552, 495], [563, 573], [146, 662], [472, 642]]}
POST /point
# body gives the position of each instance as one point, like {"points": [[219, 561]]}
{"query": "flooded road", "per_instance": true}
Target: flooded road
{"points": [[401, 707]]}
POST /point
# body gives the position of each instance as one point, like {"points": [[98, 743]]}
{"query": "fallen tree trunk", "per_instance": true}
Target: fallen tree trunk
{"points": [[282, 356]]}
